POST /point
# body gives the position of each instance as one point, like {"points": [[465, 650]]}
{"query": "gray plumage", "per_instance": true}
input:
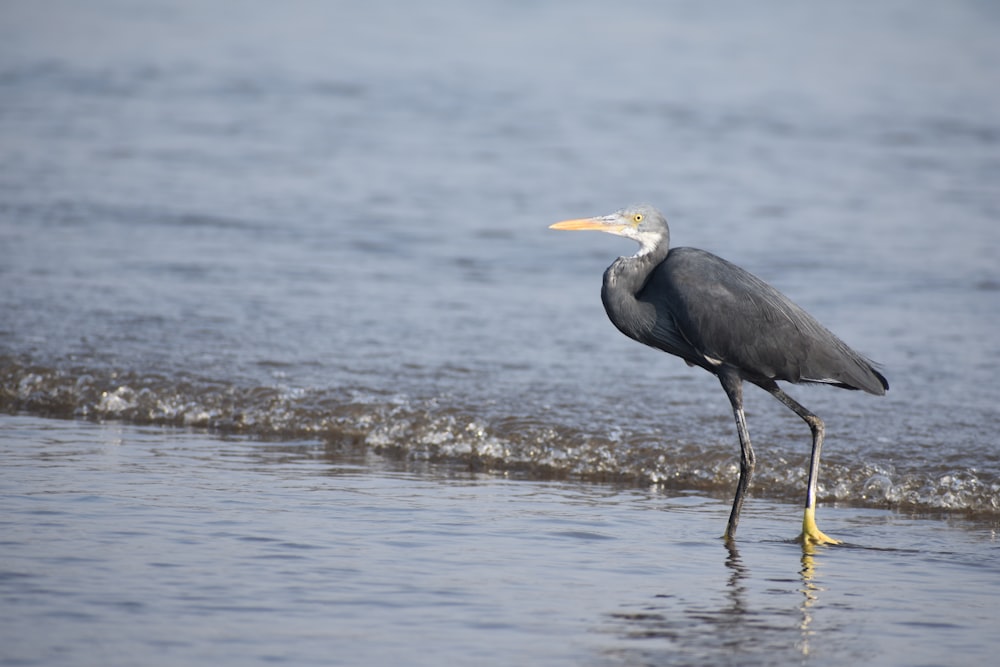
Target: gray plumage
{"points": [[717, 316], [704, 309]]}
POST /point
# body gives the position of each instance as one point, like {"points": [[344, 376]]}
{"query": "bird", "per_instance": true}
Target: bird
{"points": [[717, 316]]}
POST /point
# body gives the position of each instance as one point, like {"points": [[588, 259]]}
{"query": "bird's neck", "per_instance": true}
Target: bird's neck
{"points": [[631, 273], [623, 281]]}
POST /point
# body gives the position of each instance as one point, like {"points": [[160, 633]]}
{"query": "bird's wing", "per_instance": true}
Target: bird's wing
{"points": [[667, 335], [730, 316]]}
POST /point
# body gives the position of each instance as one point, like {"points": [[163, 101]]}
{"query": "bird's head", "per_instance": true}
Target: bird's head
{"points": [[643, 224]]}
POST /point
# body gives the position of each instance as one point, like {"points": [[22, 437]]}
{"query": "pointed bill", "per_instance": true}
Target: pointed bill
{"points": [[605, 224]]}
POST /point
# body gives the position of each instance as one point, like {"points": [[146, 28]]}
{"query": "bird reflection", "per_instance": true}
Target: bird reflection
{"points": [[737, 578], [810, 595], [737, 616]]}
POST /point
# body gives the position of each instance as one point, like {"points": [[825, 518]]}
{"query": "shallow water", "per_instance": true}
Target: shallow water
{"points": [[144, 545], [323, 227]]}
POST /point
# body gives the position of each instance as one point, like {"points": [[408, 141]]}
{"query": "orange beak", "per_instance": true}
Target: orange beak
{"points": [[599, 224]]}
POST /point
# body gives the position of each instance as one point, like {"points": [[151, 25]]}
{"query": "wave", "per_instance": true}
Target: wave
{"points": [[445, 430]]}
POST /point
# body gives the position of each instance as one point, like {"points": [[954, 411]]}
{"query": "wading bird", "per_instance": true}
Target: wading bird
{"points": [[715, 315]]}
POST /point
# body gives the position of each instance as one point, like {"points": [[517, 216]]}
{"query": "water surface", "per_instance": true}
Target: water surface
{"points": [[127, 545], [318, 227]]}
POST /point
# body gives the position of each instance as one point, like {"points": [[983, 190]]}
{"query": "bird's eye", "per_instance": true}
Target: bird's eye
{"points": [[637, 218]]}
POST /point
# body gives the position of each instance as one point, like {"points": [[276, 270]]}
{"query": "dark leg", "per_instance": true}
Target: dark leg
{"points": [[733, 386], [810, 533]]}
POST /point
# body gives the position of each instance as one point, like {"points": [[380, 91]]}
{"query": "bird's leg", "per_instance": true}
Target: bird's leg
{"points": [[733, 386], [810, 533]]}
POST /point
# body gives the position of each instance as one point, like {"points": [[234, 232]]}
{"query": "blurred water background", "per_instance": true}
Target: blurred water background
{"points": [[318, 230]]}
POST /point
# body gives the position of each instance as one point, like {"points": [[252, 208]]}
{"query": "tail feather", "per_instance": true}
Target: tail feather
{"points": [[848, 370]]}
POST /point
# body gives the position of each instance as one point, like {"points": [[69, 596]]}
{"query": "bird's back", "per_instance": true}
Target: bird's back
{"points": [[729, 316]]}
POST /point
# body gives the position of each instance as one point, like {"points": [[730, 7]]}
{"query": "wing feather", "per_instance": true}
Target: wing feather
{"points": [[729, 316]]}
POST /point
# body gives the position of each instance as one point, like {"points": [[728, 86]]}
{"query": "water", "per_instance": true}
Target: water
{"points": [[144, 545], [323, 227]]}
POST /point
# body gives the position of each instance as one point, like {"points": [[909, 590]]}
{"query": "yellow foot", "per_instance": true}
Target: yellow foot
{"points": [[810, 533]]}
